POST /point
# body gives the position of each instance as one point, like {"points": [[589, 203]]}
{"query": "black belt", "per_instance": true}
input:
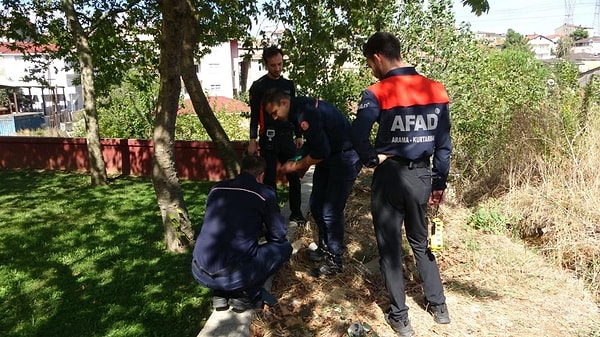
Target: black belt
{"points": [[417, 163], [343, 150], [278, 131]]}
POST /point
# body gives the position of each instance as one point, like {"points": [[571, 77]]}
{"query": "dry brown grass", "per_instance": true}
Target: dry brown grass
{"points": [[560, 217], [494, 287]]}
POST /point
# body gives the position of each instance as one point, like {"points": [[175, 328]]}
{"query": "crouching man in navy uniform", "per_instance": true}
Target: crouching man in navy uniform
{"points": [[227, 256], [328, 146], [414, 125]]}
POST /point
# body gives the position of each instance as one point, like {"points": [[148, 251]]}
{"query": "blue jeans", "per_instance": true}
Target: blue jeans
{"points": [[333, 179]]}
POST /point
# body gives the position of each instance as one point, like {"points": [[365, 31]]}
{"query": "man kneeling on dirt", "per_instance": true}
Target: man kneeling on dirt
{"points": [[228, 257]]}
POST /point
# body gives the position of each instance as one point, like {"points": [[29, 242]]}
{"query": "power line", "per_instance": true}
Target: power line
{"points": [[568, 12], [596, 23]]}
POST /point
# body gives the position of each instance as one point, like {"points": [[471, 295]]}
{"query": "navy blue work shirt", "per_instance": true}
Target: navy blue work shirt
{"points": [[236, 210], [326, 130]]}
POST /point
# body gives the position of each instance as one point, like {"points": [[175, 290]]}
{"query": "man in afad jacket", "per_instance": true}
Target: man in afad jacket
{"points": [[414, 134]]}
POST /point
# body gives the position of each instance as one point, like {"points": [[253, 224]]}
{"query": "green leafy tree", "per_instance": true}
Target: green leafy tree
{"points": [[321, 39], [490, 112], [92, 37], [185, 26], [515, 41], [579, 34], [128, 109], [564, 46]]}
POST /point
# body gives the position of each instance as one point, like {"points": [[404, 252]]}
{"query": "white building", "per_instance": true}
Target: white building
{"points": [[59, 95], [541, 46], [218, 71], [589, 45], [567, 29]]}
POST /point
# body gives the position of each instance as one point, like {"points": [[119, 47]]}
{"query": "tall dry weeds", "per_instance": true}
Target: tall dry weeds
{"points": [[555, 196]]}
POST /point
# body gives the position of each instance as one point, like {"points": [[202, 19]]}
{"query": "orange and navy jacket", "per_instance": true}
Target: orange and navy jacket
{"points": [[414, 121], [260, 121]]}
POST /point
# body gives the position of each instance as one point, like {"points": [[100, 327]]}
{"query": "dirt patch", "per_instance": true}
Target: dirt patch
{"points": [[494, 286]]}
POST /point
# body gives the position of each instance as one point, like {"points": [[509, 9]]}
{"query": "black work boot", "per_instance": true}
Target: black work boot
{"points": [[246, 302], [402, 327], [317, 254], [298, 218], [328, 268], [440, 313], [220, 299]]}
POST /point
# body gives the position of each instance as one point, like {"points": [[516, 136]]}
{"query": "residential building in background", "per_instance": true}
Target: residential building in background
{"points": [[590, 45], [227, 71], [541, 46], [59, 95], [567, 29], [218, 70]]}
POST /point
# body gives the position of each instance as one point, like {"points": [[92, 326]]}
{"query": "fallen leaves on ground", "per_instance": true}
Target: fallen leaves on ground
{"points": [[494, 285]]}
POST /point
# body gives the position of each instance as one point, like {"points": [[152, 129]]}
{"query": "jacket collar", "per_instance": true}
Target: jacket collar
{"points": [[401, 71]]}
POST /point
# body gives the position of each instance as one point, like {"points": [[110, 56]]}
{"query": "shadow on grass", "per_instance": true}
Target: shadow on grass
{"points": [[83, 261]]}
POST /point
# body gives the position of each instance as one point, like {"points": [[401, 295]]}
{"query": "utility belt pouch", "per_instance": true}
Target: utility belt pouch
{"points": [[270, 134]]}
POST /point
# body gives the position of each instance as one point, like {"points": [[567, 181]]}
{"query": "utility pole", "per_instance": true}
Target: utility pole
{"points": [[569, 12], [596, 24]]}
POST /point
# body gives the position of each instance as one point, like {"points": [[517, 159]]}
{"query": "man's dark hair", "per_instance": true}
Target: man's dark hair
{"points": [[274, 96], [383, 43], [255, 165], [269, 52]]}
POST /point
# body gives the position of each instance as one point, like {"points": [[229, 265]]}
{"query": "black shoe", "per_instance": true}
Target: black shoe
{"points": [[220, 303], [402, 327], [298, 218], [440, 313], [219, 299], [327, 269], [316, 255], [242, 304]]}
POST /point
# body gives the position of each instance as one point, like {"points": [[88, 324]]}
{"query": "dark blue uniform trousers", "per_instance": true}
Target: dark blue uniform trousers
{"points": [[280, 150], [250, 275], [333, 179], [400, 195]]}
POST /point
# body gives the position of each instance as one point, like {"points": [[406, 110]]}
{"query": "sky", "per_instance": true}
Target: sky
{"points": [[528, 16]]}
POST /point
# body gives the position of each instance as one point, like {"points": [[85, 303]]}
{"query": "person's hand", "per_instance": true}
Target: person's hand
{"points": [[382, 158], [294, 167], [299, 142], [436, 197], [253, 147], [289, 167], [302, 171]]}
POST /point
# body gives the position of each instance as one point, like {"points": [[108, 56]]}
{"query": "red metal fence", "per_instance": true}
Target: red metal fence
{"points": [[195, 160]]}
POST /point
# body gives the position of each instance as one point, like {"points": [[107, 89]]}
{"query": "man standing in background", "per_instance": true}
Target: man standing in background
{"points": [[276, 143], [414, 124]]}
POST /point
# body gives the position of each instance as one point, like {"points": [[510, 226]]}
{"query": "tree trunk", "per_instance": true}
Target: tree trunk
{"points": [[188, 72], [97, 166], [244, 69], [178, 232]]}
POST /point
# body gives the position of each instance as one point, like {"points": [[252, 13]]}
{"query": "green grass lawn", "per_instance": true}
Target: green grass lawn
{"points": [[83, 261]]}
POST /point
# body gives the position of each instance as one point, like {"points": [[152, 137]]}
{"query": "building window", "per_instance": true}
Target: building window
{"points": [[215, 87]]}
